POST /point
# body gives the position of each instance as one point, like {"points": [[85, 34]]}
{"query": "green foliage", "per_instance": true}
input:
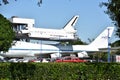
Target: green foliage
{"points": [[6, 34], [76, 42], [7, 2], [113, 10], [22, 71], [4, 1], [4, 71], [59, 71], [116, 43]]}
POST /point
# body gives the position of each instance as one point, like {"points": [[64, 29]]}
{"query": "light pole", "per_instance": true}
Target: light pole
{"points": [[59, 46], [108, 46], [40, 46]]}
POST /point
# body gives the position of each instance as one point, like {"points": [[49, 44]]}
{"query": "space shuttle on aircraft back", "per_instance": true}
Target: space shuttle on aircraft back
{"points": [[24, 28], [27, 49]]}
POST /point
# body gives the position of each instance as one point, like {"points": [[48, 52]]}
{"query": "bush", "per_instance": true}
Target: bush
{"points": [[59, 71]]}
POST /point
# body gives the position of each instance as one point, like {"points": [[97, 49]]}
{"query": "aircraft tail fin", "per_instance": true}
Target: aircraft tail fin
{"points": [[102, 40], [69, 27]]}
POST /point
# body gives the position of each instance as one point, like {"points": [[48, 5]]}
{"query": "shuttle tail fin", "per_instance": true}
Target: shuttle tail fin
{"points": [[102, 40], [69, 27]]}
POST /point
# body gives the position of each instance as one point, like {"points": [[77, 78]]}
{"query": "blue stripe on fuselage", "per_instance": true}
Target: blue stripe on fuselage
{"points": [[40, 49]]}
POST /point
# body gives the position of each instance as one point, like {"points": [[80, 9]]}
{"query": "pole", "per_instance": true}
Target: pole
{"points": [[40, 46], [108, 47], [59, 46]]}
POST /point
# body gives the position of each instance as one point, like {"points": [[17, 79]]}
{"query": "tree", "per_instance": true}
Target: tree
{"points": [[90, 40], [113, 10], [76, 42], [116, 43], [6, 34], [7, 2]]}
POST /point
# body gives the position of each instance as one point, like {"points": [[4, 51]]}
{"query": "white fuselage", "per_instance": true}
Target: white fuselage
{"points": [[27, 49]]}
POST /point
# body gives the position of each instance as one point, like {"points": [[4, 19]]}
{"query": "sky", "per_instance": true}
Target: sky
{"points": [[56, 13]]}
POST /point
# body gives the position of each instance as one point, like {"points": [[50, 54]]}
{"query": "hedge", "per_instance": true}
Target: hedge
{"points": [[59, 71]]}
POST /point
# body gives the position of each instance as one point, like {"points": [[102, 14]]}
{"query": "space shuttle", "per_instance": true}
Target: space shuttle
{"points": [[25, 29], [27, 49]]}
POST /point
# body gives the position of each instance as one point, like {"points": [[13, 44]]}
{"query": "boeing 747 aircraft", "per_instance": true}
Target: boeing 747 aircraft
{"points": [[24, 28], [26, 49]]}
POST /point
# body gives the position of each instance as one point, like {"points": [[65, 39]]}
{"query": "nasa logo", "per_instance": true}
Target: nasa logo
{"points": [[104, 37]]}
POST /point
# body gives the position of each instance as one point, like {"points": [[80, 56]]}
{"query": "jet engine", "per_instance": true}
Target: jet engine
{"points": [[82, 54]]}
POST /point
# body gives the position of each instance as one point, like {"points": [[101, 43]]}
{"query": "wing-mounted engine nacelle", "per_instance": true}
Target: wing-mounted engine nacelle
{"points": [[55, 55], [82, 54]]}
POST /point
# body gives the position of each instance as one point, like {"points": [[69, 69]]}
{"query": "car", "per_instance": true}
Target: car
{"points": [[34, 60], [70, 59], [14, 60], [44, 60]]}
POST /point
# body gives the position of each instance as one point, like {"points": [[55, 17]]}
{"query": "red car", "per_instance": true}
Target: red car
{"points": [[70, 59]]}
